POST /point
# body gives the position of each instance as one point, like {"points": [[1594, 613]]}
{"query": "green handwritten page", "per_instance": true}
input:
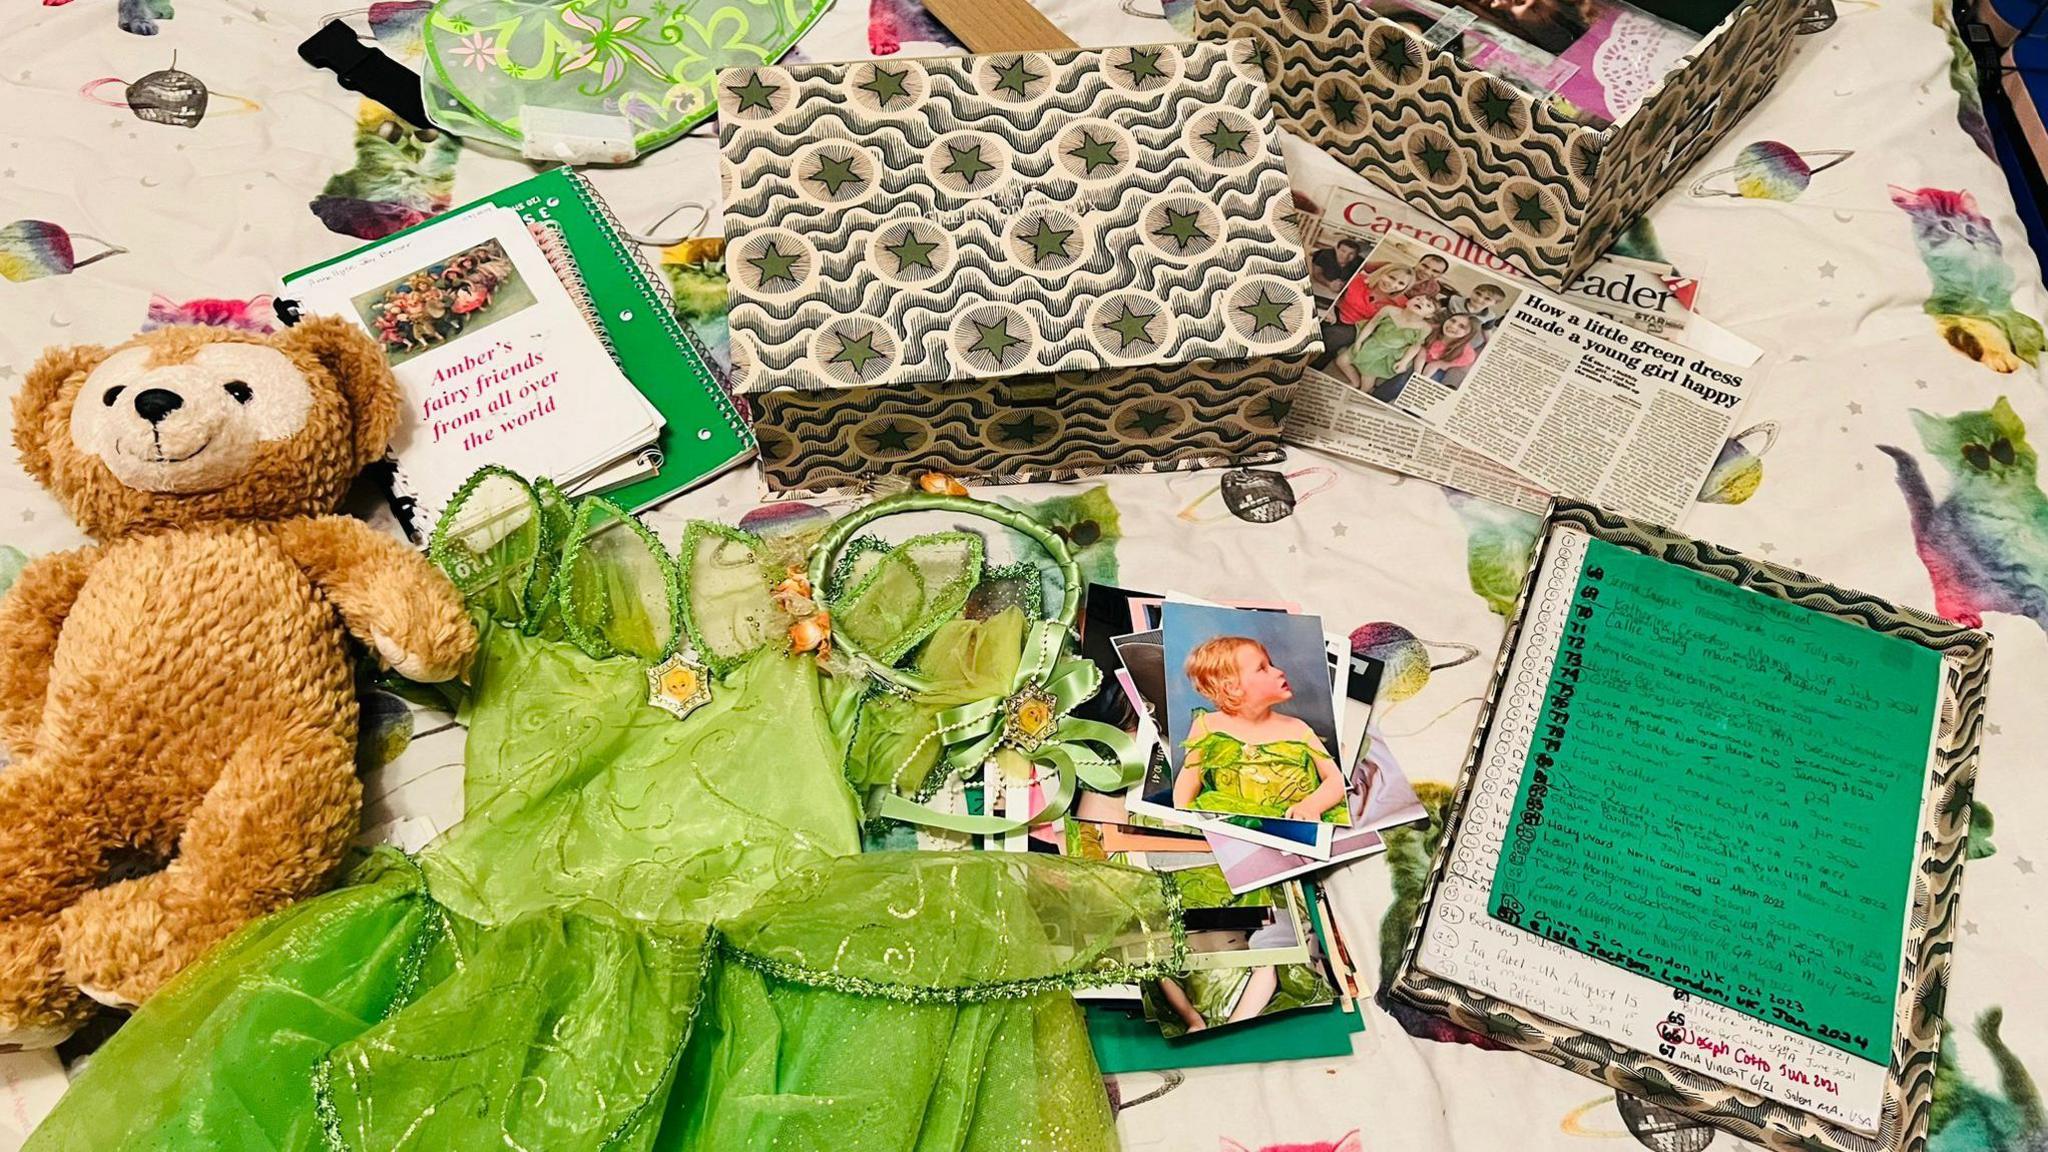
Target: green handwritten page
{"points": [[1723, 795]]}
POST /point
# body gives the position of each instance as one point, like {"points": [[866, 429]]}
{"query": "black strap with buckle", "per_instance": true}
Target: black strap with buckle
{"points": [[363, 68]]}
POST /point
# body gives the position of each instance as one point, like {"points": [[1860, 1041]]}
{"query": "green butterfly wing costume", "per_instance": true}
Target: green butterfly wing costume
{"points": [[654, 931]]}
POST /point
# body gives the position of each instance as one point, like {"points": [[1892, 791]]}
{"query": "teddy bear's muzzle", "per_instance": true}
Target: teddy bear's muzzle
{"points": [[175, 447]]}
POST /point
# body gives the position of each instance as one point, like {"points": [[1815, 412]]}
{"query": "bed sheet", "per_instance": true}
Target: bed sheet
{"points": [[1865, 188]]}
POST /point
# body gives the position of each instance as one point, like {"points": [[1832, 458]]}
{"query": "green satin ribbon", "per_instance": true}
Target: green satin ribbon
{"points": [[1076, 752], [1100, 756]]}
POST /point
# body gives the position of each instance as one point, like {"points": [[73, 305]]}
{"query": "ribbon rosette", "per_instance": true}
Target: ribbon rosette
{"points": [[810, 629], [1033, 724]]}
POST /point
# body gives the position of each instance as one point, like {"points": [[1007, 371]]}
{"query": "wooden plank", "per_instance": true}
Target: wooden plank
{"points": [[999, 25]]}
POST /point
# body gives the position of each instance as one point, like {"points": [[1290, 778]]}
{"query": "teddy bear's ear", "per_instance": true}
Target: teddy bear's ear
{"points": [[38, 396], [358, 367]]}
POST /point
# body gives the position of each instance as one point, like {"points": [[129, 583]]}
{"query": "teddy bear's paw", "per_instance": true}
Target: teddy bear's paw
{"points": [[418, 666], [107, 996], [120, 945], [38, 1008], [30, 1037]]}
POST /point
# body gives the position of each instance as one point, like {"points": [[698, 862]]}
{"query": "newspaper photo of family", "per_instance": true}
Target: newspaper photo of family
{"points": [[1403, 316]]}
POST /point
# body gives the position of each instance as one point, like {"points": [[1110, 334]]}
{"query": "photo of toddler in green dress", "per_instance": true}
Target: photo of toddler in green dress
{"points": [[1243, 755]]}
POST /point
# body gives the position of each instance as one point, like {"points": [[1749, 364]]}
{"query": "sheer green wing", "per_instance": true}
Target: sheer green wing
{"points": [[901, 595], [496, 542], [526, 556], [726, 606], [617, 588], [557, 517]]}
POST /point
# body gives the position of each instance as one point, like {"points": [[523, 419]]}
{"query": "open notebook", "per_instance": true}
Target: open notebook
{"points": [[1707, 843]]}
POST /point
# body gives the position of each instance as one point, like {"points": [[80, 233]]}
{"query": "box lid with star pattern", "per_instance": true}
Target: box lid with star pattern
{"points": [[974, 217]]}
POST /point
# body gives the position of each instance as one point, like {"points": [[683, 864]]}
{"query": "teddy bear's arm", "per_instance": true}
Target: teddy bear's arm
{"points": [[31, 616], [388, 595]]}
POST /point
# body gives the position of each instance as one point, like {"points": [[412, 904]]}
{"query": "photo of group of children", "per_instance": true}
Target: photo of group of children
{"points": [[439, 302], [1402, 312]]}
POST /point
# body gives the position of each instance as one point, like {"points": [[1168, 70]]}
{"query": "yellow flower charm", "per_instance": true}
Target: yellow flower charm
{"points": [[1032, 715], [678, 685]]}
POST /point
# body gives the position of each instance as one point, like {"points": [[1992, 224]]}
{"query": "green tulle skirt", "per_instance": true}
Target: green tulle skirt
{"points": [[648, 933]]}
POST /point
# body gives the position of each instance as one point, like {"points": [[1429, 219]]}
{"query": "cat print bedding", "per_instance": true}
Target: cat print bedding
{"points": [[164, 162]]}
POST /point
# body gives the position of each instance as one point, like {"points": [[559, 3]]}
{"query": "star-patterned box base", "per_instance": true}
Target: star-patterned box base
{"points": [[1546, 193], [1029, 429], [1008, 267]]}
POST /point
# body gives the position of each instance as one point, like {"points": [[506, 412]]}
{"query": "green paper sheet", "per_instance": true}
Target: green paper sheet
{"points": [[1723, 795], [1124, 1041]]}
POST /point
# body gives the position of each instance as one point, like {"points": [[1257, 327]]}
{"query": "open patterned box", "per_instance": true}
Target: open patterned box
{"points": [[1500, 165]]}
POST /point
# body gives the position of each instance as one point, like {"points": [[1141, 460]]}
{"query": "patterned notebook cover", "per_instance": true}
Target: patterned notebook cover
{"points": [[985, 216]]}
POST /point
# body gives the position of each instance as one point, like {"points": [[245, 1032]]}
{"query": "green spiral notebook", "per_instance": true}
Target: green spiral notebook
{"points": [[702, 434]]}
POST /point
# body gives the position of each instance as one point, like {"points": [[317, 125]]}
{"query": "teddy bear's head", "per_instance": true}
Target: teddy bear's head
{"points": [[188, 425]]}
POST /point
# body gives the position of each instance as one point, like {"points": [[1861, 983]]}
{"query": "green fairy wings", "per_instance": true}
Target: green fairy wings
{"points": [[885, 617]]}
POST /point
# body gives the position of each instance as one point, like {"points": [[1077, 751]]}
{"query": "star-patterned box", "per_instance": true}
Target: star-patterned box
{"points": [[1012, 267], [1507, 168]]}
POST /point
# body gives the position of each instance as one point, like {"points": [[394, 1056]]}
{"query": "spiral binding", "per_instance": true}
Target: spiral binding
{"points": [[662, 304], [548, 235]]}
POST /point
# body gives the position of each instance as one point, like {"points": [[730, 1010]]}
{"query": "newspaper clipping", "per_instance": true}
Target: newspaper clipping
{"points": [[1440, 368], [1643, 294]]}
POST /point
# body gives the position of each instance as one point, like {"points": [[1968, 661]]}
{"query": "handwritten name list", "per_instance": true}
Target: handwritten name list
{"points": [[1721, 794]]}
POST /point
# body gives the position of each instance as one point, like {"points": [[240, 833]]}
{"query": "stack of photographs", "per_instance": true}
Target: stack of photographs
{"points": [[1262, 771]]}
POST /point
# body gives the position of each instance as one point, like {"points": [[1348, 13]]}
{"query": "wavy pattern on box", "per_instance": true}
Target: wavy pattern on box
{"points": [[1028, 429], [1937, 876], [1685, 113], [1541, 190], [900, 221], [1451, 140]]}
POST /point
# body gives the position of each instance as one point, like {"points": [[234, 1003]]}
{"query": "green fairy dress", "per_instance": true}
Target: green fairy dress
{"points": [[1257, 779], [1378, 355], [655, 928]]}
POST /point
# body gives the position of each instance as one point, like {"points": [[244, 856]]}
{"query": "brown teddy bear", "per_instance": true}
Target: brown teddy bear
{"points": [[184, 691]]}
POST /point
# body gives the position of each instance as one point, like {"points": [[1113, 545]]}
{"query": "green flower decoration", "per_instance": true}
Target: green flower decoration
{"points": [[609, 49]]}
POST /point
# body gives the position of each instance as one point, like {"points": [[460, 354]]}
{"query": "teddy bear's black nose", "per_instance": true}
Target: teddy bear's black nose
{"points": [[153, 404]]}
